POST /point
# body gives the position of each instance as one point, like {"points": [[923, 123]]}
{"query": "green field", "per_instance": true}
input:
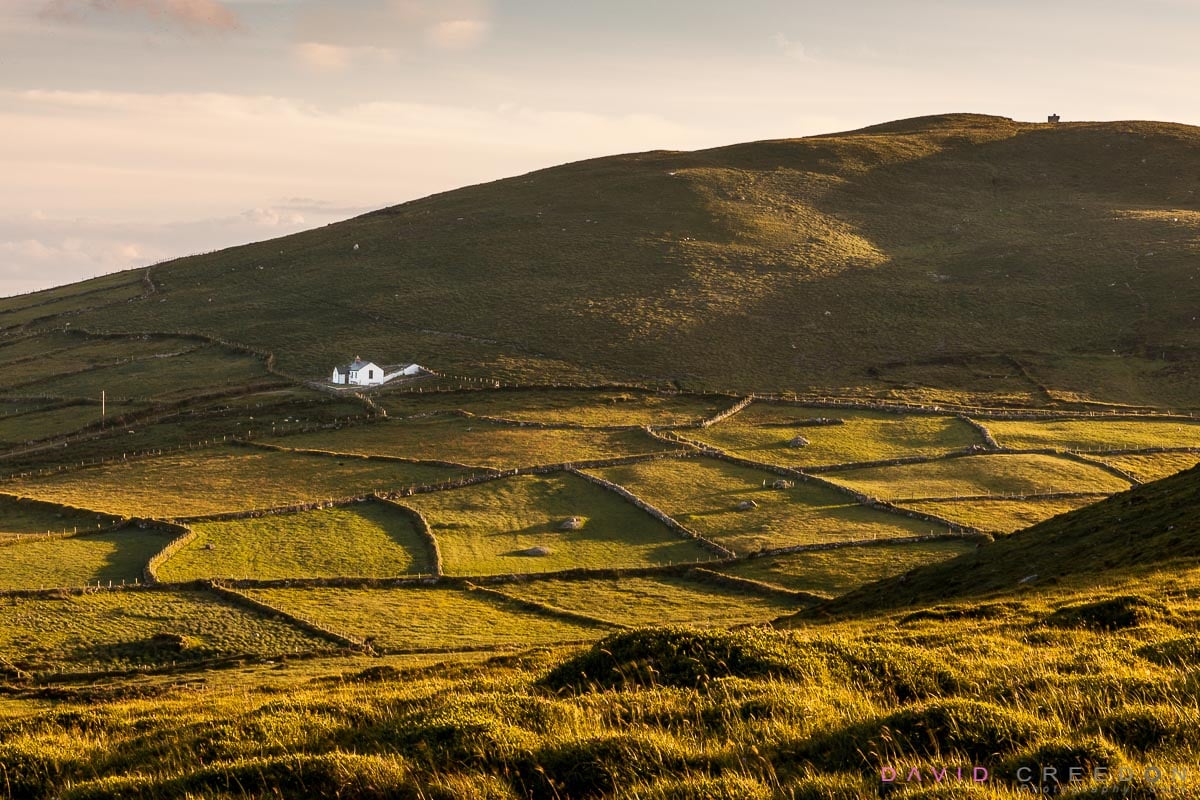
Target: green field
{"points": [[758, 433], [832, 572], [703, 494], [115, 630], [79, 354], [585, 408], [17, 430], [485, 529], [204, 369], [1084, 434], [367, 540], [655, 601], [1000, 516], [1154, 467], [119, 557], [68, 301], [233, 479], [980, 475], [424, 619], [23, 516], [477, 443]]}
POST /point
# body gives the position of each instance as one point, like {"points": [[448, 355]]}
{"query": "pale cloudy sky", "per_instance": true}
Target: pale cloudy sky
{"points": [[136, 130]]}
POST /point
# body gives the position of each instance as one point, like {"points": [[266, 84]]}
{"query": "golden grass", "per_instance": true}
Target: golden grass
{"points": [[368, 540], [865, 436], [221, 479], [424, 619], [655, 601], [1094, 434], [485, 529], [1155, 467], [1000, 516], [703, 494], [590, 408], [477, 443], [980, 475], [114, 629], [832, 572], [116, 557]]}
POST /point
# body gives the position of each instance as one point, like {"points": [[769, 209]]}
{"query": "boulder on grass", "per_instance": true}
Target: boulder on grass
{"points": [[783, 483], [746, 505], [539, 551], [798, 441], [572, 524]]}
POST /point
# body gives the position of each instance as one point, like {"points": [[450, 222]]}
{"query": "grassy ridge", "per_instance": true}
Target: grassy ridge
{"points": [[1149, 525], [770, 265]]}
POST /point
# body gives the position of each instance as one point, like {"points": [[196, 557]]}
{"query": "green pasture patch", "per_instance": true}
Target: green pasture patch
{"points": [[590, 408], [477, 443], [655, 601], [45, 306], [205, 369], [81, 354], [494, 528], [833, 572], [221, 479], [60, 421], [116, 556], [996, 474], [1154, 467], [1000, 516], [704, 495], [760, 433], [24, 516], [119, 629], [424, 618], [1100, 434], [370, 540]]}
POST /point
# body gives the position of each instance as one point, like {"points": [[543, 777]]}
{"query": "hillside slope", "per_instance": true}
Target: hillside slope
{"points": [[1154, 524], [1031, 262]]}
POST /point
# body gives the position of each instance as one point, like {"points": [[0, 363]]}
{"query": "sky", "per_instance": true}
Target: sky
{"points": [[134, 131]]}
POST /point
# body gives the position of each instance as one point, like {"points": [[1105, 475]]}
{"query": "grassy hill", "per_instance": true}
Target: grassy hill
{"points": [[1028, 262], [1149, 527]]}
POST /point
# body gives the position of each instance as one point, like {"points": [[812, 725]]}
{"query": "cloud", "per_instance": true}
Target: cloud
{"points": [[192, 15], [458, 34], [790, 49], [326, 57], [323, 57]]}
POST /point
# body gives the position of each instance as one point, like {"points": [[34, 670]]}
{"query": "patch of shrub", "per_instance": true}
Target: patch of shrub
{"points": [[1112, 614], [681, 657], [1181, 652], [603, 764], [728, 786], [1145, 728], [1053, 766], [900, 671], [968, 729], [33, 770]]}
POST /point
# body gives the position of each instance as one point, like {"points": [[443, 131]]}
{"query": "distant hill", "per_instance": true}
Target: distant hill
{"points": [[959, 253], [1154, 524]]}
